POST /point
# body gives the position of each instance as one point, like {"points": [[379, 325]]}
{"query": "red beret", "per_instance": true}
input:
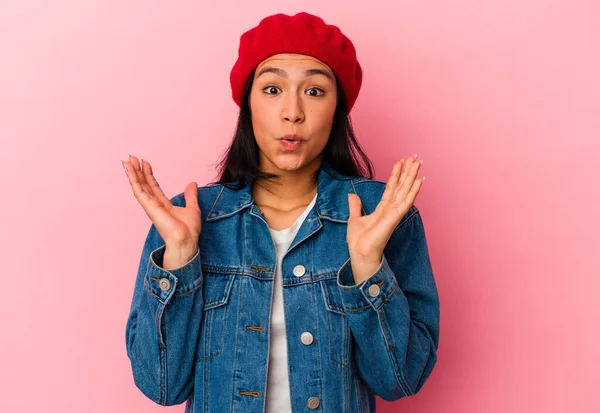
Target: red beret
{"points": [[302, 33]]}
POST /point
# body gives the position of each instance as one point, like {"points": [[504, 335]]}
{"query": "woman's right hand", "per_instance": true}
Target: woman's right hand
{"points": [[178, 226]]}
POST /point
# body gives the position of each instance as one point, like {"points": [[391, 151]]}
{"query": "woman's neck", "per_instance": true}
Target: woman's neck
{"points": [[289, 191]]}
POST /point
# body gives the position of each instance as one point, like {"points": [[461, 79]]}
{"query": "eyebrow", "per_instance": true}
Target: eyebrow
{"points": [[282, 73]]}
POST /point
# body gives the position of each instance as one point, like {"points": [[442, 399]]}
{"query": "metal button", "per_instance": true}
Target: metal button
{"points": [[313, 403], [374, 290], [299, 270], [164, 284], [306, 338]]}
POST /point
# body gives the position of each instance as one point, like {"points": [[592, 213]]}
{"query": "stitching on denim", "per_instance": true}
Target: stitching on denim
{"points": [[215, 202], [150, 291], [208, 328], [235, 358], [407, 218], [327, 297], [310, 279], [369, 305], [329, 335], [395, 365], [208, 304], [347, 373], [319, 345], [245, 236], [181, 294], [205, 387], [225, 311], [157, 323], [260, 329], [163, 375], [295, 244], [219, 300], [224, 329], [229, 271], [207, 334], [219, 269], [209, 357]]}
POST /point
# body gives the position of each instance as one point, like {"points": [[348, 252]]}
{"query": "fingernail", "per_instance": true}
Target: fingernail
{"points": [[423, 178], [415, 156], [422, 161]]}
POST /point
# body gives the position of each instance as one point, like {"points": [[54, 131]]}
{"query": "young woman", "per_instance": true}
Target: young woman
{"points": [[295, 282]]}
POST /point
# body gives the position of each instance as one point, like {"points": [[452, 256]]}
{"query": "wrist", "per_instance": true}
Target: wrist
{"points": [[175, 257], [363, 266]]}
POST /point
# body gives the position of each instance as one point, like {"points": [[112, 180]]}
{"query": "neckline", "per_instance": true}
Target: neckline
{"points": [[292, 227]]}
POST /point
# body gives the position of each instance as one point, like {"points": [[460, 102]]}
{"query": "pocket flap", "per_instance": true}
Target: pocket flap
{"points": [[333, 296], [216, 289]]}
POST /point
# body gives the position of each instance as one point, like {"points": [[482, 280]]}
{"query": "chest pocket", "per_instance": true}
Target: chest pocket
{"points": [[216, 291], [337, 324]]}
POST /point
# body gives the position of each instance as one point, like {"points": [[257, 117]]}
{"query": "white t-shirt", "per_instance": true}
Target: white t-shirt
{"points": [[278, 384]]}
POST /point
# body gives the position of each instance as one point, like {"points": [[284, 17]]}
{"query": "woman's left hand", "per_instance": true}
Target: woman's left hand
{"points": [[368, 235]]}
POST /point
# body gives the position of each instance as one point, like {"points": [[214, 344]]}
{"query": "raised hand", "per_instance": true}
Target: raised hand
{"points": [[178, 226], [368, 235]]}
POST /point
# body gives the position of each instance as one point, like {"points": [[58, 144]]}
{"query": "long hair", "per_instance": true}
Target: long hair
{"points": [[241, 161]]}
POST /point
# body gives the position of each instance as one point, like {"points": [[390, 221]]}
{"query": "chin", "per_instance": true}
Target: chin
{"points": [[289, 165], [289, 162]]}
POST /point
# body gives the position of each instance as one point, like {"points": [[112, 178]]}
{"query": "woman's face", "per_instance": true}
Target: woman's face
{"points": [[292, 94]]}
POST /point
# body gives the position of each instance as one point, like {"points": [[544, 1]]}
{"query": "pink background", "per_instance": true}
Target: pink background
{"points": [[500, 98]]}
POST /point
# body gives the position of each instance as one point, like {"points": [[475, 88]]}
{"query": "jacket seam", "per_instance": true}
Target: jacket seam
{"points": [[398, 373]]}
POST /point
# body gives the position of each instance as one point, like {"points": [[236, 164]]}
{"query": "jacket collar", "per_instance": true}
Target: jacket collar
{"points": [[331, 203]]}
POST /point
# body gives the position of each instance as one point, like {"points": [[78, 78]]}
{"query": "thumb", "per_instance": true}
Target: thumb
{"points": [[191, 194], [354, 205]]}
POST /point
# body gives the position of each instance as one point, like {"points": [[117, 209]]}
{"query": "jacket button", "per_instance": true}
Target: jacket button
{"points": [[164, 284], [313, 403], [306, 338], [374, 290], [299, 270]]}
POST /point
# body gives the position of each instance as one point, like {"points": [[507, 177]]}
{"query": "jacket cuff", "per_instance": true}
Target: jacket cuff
{"points": [[373, 291], [163, 284]]}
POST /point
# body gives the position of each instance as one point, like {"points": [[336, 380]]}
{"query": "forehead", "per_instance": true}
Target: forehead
{"points": [[293, 59]]}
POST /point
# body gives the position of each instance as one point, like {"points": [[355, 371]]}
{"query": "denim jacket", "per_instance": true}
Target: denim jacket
{"points": [[200, 333]]}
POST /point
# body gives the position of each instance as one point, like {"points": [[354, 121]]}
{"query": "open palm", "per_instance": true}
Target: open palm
{"points": [[178, 226], [367, 235]]}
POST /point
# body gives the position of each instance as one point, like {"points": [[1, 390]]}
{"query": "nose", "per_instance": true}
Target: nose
{"points": [[292, 110]]}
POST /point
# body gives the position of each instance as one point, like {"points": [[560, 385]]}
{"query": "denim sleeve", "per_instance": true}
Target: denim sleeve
{"points": [[163, 324], [394, 314]]}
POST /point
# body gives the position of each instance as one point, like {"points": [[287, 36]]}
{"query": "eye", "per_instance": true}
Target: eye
{"points": [[317, 89], [270, 88]]}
